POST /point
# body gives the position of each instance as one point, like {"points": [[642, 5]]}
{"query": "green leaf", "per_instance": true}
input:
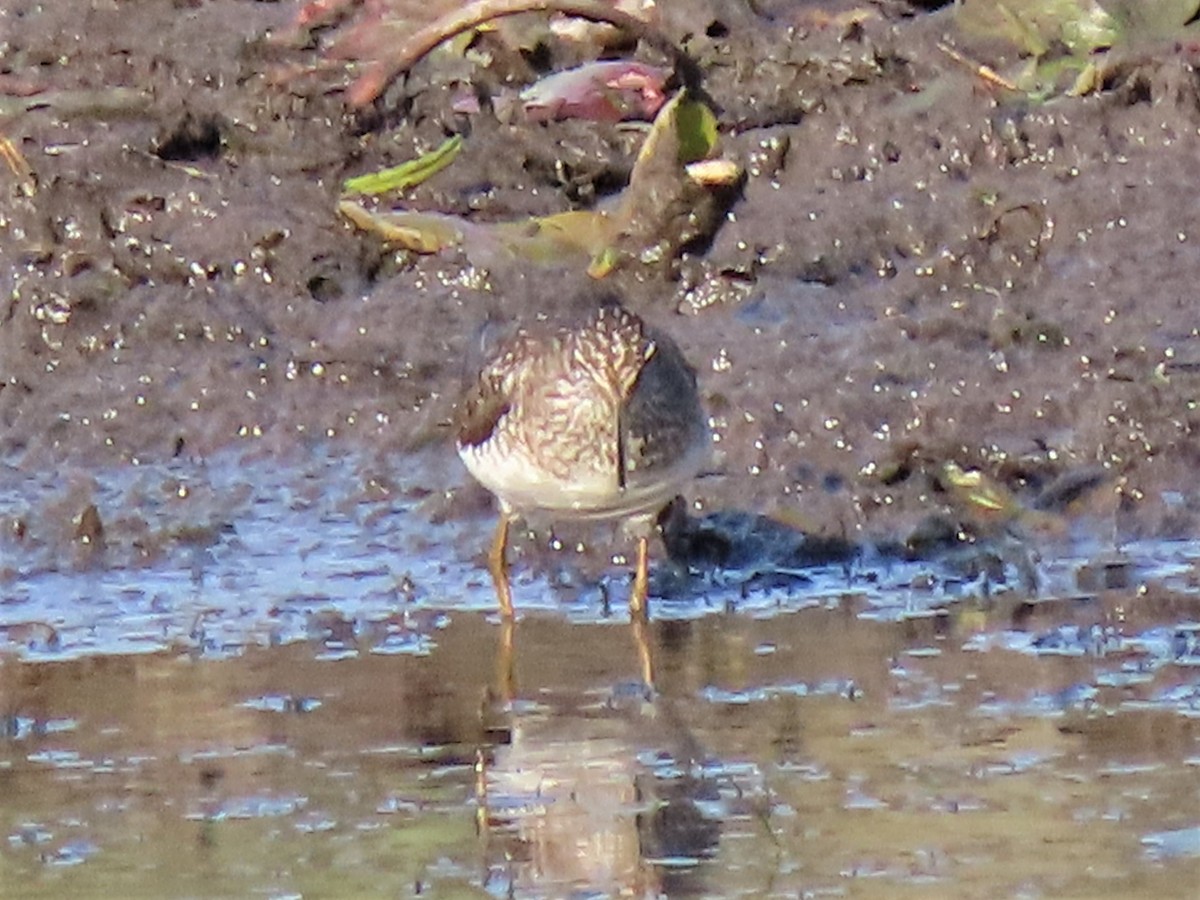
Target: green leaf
{"points": [[696, 130], [405, 175]]}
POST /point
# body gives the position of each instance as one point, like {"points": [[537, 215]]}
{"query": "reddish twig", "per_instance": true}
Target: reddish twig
{"points": [[371, 84]]}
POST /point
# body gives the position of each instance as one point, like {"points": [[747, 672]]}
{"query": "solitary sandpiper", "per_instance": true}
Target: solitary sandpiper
{"points": [[593, 421]]}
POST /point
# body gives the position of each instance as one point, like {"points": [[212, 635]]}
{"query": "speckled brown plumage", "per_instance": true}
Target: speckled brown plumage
{"points": [[597, 421]]}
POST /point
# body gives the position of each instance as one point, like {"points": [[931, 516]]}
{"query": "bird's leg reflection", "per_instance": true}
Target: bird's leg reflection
{"points": [[641, 641], [497, 699], [506, 658], [481, 792]]}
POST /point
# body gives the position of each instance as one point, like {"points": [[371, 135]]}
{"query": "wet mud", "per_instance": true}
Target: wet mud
{"points": [[927, 626]]}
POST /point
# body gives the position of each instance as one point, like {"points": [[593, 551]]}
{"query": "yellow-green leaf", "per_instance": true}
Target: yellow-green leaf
{"points": [[419, 232], [603, 263], [548, 238]]}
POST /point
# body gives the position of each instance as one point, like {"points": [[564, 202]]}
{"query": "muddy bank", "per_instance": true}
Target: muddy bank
{"points": [[921, 267]]}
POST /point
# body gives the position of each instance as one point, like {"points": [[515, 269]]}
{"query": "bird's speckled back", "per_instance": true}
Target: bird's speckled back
{"points": [[594, 420]]}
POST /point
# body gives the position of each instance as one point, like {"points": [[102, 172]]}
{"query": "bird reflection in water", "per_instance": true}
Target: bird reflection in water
{"points": [[597, 797]]}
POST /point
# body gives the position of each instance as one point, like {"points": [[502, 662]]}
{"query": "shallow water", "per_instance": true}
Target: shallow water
{"points": [[303, 690]]}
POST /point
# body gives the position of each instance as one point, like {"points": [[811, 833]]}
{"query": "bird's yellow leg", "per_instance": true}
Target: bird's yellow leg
{"points": [[641, 580], [498, 566]]}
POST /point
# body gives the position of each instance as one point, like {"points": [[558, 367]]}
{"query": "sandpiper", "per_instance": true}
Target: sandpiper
{"points": [[596, 421]]}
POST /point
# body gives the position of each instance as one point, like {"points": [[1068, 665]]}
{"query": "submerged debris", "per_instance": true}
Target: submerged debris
{"points": [[747, 547], [88, 527]]}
